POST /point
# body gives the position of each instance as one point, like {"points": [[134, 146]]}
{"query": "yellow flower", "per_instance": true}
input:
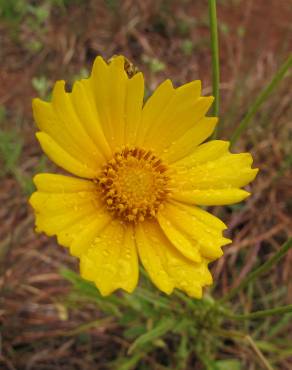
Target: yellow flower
{"points": [[141, 171]]}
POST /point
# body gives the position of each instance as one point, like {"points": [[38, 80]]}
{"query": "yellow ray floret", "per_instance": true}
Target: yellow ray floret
{"points": [[111, 261]]}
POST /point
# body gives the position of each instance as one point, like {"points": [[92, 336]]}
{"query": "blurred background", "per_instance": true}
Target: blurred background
{"points": [[50, 319]]}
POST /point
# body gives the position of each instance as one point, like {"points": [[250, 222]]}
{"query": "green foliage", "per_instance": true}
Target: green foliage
{"points": [[10, 150], [153, 322], [224, 28], [41, 85], [112, 4], [15, 11], [222, 364], [183, 27], [26, 15], [64, 4], [241, 31], [11, 145], [149, 319], [187, 47], [2, 113], [154, 64], [84, 73], [33, 17]]}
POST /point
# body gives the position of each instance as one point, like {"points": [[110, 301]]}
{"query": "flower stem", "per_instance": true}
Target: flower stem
{"points": [[215, 58], [259, 271], [262, 97], [261, 314]]}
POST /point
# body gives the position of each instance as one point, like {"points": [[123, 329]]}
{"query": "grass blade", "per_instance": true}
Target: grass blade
{"points": [[259, 271], [158, 331], [263, 313], [262, 97]]}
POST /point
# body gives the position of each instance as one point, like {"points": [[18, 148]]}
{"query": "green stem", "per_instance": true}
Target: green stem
{"points": [[215, 58], [261, 314], [259, 271], [261, 99]]}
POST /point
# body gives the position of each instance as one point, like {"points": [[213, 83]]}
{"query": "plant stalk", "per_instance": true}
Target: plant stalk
{"points": [[263, 313], [259, 271], [215, 59]]}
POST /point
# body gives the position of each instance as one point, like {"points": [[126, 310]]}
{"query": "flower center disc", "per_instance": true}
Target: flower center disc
{"points": [[134, 184]]}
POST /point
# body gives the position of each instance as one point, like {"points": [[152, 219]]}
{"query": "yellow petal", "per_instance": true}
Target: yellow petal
{"points": [[152, 259], [52, 183], [55, 203], [62, 105], [181, 113], [54, 223], [48, 122], [212, 176], [201, 229], [181, 99], [206, 152], [210, 221], [63, 159], [99, 84], [109, 85], [211, 197], [118, 90], [90, 233], [168, 268], [111, 262], [190, 140], [228, 171], [64, 206], [85, 107], [188, 248], [134, 102], [67, 235], [154, 107]]}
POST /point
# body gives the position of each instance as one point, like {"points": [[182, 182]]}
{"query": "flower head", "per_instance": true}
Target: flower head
{"points": [[140, 173]]}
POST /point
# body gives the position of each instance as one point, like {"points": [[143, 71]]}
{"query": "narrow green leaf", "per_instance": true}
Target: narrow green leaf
{"points": [[131, 362], [261, 314], [158, 331], [231, 364], [109, 304], [259, 271], [261, 98], [280, 325]]}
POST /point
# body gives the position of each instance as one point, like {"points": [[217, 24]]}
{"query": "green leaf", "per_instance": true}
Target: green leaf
{"points": [[130, 363], [107, 304], [158, 331], [231, 364], [10, 150], [134, 331]]}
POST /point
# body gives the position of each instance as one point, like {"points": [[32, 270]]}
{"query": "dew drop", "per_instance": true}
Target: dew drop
{"points": [[105, 252]]}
